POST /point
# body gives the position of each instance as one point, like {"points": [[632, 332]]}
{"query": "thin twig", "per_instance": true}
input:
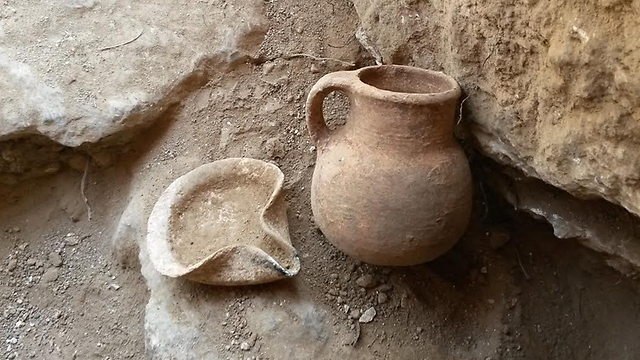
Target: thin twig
{"points": [[460, 112], [122, 44], [82, 187], [526, 276], [345, 63]]}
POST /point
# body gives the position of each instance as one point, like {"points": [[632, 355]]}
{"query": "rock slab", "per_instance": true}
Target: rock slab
{"points": [[75, 72]]}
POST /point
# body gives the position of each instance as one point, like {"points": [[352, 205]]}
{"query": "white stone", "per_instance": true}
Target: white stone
{"points": [[368, 315]]}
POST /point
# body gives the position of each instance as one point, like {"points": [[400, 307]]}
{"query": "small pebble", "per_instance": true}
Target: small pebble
{"points": [[345, 278], [115, 287], [12, 264], [55, 259], [31, 261], [366, 281], [72, 239], [252, 340], [368, 315], [315, 69], [483, 270], [354, 314], [245, 346], [267, 68], [382, 298], [50, 275], [385, 288]]}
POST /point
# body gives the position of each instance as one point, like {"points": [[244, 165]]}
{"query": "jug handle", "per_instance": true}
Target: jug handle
{"points": [[338, 81]]}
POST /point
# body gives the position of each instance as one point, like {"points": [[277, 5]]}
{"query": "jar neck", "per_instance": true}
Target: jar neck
{"points": [[383, 123]]}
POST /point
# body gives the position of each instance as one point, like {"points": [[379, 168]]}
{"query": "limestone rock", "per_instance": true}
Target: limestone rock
{"points": [[551, 86], [74, 73]]}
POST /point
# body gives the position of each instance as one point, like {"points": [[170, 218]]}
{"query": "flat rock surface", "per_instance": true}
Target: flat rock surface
{"points": [[77, 71]]}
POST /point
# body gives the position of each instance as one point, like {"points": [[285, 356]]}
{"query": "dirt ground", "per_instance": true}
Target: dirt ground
{"points": [[508, 290]]}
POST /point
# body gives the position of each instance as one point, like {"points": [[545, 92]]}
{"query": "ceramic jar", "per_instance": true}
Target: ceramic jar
{"points": [[392, 186]]}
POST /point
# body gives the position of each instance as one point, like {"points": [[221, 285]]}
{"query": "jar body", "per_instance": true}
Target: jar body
{"points": [[391, 210]]}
